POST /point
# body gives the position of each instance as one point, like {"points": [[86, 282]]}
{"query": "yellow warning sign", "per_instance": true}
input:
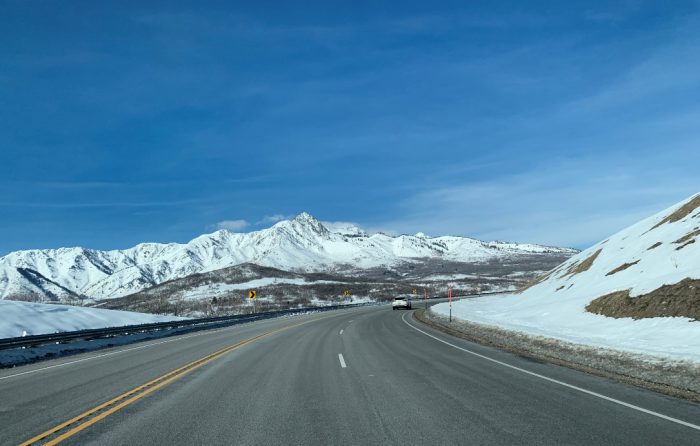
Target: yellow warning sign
{"points": [[252, 294]]}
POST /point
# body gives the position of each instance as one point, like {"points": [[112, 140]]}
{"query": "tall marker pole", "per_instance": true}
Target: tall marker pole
{"points": [[449, 293], [425, 297]]}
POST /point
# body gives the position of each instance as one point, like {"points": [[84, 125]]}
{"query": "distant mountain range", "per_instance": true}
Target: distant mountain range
{"points": [[302, 244]]}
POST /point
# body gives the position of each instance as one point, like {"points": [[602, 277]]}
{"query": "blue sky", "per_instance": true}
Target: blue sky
{"points": [[547, 122]]}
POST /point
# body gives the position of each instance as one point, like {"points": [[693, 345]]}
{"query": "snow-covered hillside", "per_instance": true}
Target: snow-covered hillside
{"points": [[302, 244], [660, 250], [635, 281], [24, 318]]}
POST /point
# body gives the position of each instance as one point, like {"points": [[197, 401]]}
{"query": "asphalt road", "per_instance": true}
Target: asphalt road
{"points": [[361, 376]]}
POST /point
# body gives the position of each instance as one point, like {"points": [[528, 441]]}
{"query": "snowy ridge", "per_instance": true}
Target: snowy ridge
{"points": [[659, 251], [302, 244], [640, 258]]}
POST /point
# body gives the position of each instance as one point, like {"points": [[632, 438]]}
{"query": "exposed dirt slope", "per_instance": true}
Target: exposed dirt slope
{"points": [[678, 300]]}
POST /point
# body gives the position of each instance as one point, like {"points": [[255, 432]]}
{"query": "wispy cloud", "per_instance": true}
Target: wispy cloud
{"points": [[567, 203], [340, 226], [672, 66], [272, 219], [232, 225], [629, 156], [100, 204]]}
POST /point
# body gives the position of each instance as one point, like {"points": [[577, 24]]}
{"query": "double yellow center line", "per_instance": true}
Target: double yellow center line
{"points": [[86, 419]]}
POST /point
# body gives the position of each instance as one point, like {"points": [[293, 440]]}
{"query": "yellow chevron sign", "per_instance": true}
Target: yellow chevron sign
{"points": [[252, 294]]}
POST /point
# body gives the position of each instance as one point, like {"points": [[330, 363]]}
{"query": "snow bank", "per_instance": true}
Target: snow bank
{"points": [[23, 318], [675, 338]]}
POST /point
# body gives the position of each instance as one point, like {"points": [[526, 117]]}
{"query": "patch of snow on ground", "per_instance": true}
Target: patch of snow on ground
{"points": [[677, 338], [360, 300], [451, 277], [216, 289], [25, 319]]}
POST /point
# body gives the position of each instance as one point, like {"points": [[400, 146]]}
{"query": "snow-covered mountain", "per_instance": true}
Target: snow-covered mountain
{"points": [[301, 244], [638, 290]]}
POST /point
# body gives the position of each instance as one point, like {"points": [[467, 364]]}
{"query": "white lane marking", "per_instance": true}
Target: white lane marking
{"points": [[341, 331], [561, 383], [175, 338], [342, 360]]}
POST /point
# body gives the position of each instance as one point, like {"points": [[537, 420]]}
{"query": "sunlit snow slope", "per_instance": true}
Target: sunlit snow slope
{"points": [[657, 259], [24, 318], [660, 250]]}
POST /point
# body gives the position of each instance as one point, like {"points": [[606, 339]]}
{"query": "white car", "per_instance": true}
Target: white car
{"points": [[401, 302]]}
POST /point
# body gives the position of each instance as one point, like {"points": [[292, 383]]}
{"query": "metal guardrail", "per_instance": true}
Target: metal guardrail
{"points": [[187, 324]]}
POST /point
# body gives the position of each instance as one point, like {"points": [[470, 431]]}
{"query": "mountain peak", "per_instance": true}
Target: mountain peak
{"points": [[305, 222], [305, 217]]}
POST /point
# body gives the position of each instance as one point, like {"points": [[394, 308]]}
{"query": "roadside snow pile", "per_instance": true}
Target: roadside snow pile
{"points": [[25, 319], [676, 338], [643, 284]]}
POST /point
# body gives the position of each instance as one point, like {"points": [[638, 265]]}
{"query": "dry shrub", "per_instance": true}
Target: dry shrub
{"points": [[688, 237], [685, 244], [585, 265], [622, 267], [681, 212], [537, 280]]}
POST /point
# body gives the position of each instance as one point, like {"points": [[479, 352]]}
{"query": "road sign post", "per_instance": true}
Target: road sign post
{"points": [[425, 298], [252, 295], [449, 295]]}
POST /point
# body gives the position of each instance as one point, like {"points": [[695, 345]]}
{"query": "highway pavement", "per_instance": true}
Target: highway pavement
{"points": [[359, 376]]}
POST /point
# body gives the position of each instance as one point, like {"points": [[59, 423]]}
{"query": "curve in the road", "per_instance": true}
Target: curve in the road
{"points": [[556, 381], [398, 386]]}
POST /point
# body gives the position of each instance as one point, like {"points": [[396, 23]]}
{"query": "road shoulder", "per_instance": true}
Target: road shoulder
{"points": [[675, 379]]}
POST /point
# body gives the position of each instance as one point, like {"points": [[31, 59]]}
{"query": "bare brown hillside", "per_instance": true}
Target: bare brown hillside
{"points": [[678, 300]]}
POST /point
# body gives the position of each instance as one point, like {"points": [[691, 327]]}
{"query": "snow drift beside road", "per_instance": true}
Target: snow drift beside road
{"points": [[24, 318], [660, 250], [670, 337]]}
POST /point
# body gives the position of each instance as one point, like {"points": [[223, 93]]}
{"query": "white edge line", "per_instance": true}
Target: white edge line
{"points": [[342, 360], [561, 383]]}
